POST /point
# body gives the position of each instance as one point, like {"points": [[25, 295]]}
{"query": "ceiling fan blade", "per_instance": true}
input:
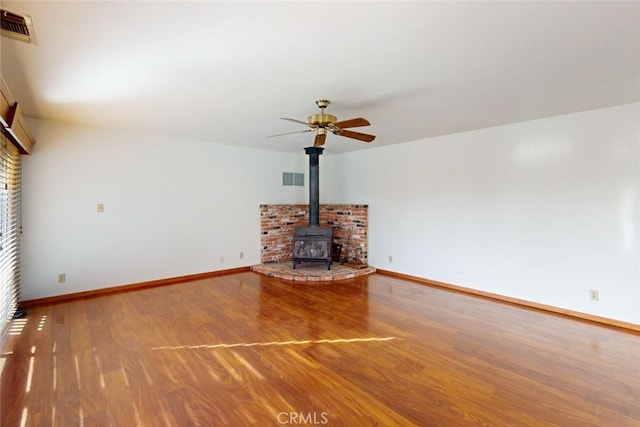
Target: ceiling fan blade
{"points": [[295, 120], [356, 135], [289, 133], [353, 123], [320, 138]]}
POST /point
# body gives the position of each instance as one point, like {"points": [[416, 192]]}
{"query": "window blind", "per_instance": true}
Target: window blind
{"points": [[10, 230]]}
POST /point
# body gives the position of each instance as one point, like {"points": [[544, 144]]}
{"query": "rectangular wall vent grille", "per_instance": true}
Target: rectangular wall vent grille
{"points": [[293, 178], [15, 26]]}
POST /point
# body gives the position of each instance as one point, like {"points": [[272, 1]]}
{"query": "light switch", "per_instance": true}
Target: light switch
{"points": [[100, 208]]}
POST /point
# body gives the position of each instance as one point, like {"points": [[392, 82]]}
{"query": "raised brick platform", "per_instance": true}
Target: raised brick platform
{"points": [[311, 272]]}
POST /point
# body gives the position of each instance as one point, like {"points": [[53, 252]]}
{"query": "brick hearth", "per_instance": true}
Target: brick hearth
{"points": [[311, 272]]}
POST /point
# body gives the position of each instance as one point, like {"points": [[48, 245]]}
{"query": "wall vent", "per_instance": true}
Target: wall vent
{"points": [[293, 178], [15, 26]]}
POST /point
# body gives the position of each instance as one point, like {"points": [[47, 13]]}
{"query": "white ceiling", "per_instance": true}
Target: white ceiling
{"points": [[226, 71]]}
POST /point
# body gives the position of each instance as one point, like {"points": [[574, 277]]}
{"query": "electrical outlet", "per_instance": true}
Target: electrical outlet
{"points": [[62, 277], [594, 295], [221, 259], [460, 268], [390, 258], [241, 255], [100, 208]]}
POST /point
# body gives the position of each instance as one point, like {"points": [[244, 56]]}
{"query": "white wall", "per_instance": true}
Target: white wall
{"points": [[542, 210], [171, 207]]}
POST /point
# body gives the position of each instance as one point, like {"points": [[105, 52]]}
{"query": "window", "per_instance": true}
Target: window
{"points": [[10, 229]]}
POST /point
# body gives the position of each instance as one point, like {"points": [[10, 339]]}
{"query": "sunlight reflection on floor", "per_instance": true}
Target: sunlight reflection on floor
{"points": [[274, 343]]}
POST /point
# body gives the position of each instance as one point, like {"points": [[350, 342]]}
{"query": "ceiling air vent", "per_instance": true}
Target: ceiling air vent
{"points": [[15, 26]]}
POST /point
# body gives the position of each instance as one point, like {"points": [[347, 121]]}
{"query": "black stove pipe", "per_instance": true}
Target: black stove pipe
{"points": [[314, 184]]}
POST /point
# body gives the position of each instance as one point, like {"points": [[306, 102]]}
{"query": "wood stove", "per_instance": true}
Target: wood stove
{"points": [[313, 243]]}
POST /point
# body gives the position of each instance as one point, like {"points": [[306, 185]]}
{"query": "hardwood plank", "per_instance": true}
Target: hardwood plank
{"points": [[246, 349]]}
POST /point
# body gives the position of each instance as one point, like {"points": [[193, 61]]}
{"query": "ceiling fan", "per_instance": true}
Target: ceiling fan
{"points": [[321, 123]]}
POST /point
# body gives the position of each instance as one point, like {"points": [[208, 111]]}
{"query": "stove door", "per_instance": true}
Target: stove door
{"points": [[311, 249]]}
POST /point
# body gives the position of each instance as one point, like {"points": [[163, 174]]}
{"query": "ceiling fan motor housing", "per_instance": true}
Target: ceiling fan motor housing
{"points": [[321, 120]]}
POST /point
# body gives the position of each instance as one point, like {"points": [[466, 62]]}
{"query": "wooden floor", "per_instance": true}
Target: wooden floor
{"points": [[246, 349]]}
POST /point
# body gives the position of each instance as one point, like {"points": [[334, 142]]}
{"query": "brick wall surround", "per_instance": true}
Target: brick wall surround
{"points": [[278, 222]]}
